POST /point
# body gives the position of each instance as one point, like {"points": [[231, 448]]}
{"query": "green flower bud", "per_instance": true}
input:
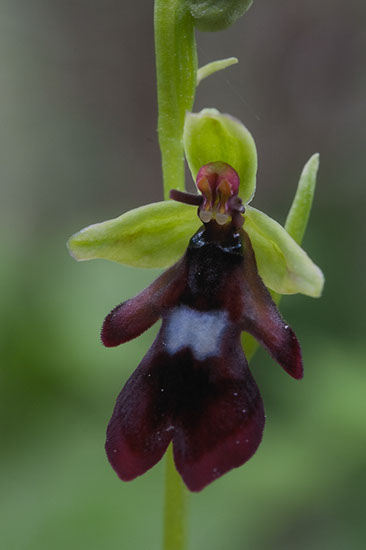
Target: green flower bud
{"points": [[216, 15]]}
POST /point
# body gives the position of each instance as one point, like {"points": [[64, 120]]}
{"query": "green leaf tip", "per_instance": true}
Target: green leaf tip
{"points": [[155, 235], [215, 66], [298, 216], [210, 136], [216, 15]]}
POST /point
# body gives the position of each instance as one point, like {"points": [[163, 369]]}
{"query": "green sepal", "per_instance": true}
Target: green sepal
{"points": [[282, 264], [215, 15], [155, 235], [214, 67], [210, 136]]}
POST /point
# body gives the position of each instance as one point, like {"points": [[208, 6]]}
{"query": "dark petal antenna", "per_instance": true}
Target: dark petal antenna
{"points": [[186, 198]]}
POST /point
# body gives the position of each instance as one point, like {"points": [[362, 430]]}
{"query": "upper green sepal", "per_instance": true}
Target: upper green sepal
{"points": [[210, 136], [155, 235], [215, 15], [282, 264]]}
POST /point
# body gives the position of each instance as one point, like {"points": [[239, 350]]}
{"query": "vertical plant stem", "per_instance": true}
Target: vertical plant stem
{"points": [[175, 510], [176, 73]]}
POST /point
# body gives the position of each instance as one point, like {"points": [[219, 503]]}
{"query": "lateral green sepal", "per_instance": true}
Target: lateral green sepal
{"points": [[155, 235], [282, 264]]}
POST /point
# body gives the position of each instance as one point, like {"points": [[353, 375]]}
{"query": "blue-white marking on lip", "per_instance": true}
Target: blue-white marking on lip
{"points": [[198, 330]]}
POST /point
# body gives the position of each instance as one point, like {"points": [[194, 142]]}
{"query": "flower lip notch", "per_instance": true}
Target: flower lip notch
{"points": [[219, 185]]}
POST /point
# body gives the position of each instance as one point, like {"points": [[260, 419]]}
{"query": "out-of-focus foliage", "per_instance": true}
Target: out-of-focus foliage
{"points": [[78, 143]]}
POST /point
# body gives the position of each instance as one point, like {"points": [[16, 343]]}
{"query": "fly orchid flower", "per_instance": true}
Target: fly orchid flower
{"points": [[194, 388]]}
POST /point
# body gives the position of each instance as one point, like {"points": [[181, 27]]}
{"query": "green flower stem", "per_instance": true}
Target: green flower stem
{"points": [[296, 222], [175, 512], [176, 71]]}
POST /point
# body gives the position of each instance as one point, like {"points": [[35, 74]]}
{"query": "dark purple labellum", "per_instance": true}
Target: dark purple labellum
{"points": [[194, 387]]}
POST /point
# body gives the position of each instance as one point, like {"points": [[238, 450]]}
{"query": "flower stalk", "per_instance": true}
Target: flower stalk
{"points": [[175, 507], [176, 73]]}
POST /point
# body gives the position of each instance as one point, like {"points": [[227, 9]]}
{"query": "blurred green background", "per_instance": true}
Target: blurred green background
{"points": [[78, 145]]}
